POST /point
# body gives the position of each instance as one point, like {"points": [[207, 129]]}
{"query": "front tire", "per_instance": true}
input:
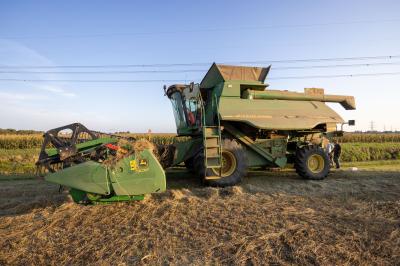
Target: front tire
{"points": [[312, 162], [234, 165]]}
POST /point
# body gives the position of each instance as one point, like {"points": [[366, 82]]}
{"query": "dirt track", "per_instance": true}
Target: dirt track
{"points": [[274, 218]]}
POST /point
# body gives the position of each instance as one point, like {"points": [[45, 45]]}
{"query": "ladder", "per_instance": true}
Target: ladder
{"points": [[212, 144]]}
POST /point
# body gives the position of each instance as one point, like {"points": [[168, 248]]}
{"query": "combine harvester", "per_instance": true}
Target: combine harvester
{"points": [[231, 122]]}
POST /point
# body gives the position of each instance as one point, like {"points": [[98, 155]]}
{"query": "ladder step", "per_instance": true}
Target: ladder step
{"points": [[213, 162], [215, 177], [212, 146], [213, 166], [213, 141], [209, 130], [212, 152]]}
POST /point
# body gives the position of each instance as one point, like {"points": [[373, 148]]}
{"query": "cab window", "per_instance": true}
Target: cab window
{"points": [[180, 118]]}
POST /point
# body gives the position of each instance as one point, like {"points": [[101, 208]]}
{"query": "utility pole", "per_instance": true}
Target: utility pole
{"points": [[372, 125]]}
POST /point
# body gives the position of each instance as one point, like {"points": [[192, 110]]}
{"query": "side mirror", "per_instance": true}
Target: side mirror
{"points": [[165, 90], [352, 122]]}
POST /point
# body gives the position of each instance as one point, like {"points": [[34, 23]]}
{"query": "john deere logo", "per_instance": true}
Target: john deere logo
{"points": [[143, 163], [140, 165], [133, 165]]}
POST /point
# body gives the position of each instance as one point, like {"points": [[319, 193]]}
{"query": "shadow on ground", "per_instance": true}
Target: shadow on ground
{"points": [[24, 196], [377, 185]]}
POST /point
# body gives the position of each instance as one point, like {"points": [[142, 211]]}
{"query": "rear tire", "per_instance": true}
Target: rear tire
{"points": [[232, 153], [312, 162]]}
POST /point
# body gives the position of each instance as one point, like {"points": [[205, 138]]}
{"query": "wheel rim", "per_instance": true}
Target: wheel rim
{"points": [[316, 163], [228, 164]]}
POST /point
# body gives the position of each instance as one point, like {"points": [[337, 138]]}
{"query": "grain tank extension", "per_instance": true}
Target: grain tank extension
{"points": [[235, 121]]}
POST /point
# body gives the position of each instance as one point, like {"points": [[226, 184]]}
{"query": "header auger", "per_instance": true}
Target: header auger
{"points": [[231, 121]]}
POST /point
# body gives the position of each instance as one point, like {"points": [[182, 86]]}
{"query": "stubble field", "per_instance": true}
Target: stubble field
{"points": [[273, 218]]}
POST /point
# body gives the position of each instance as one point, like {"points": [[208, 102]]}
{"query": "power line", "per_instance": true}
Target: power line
{"points": [[194, 70], [339, 76], [97, 35], [96, 81], [337, 66], [104, 72], [207, 63], [321, 59], [182, 80]]}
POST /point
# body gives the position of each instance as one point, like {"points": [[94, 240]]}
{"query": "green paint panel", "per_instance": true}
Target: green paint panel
{"points": [[277, 114], [89, 176], [256, 147], [233, 88], [186, 149], [136, 175]]}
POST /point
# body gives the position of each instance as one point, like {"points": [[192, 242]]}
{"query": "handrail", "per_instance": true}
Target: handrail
{"points": [[202, 112], [219, 134], [217, 111]]}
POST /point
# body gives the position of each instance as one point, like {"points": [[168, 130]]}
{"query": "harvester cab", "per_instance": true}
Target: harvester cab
{"points": [[187, 104]]}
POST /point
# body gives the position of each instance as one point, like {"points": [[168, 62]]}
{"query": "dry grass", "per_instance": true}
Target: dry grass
{"points": [[275, 218], [127, 148]]}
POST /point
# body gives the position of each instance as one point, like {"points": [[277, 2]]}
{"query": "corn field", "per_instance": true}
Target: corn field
{"points": [[359, 152], [376, 138], [21, 150], [30, 141], [17, 141]]}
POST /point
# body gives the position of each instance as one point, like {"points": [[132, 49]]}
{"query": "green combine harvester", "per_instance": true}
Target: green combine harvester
{"points": [[230, 122]]}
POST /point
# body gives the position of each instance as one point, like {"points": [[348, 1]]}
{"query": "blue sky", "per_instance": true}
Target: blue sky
{"points": [[56, 33]]}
